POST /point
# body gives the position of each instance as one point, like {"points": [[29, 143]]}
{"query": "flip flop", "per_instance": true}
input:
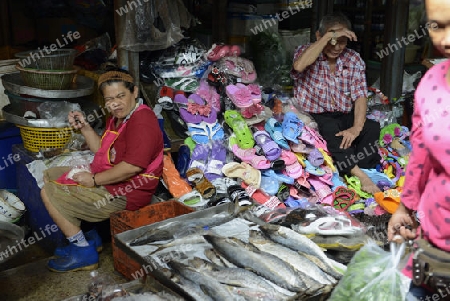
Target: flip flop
{"points": [[201, 183], [172, 180], [271, 150], [315, 158], [378, 177], [270, 185], [301, 147], [237, 123], [279, 176], [239, 95], [262, 198], [199, 132], [288, 157], [317, 171], [239, 195], [183, 160], [294, 170], [216, 161], [193, 199], [330, 225], [292, 127], [389, 200], [187, 84], [355, 184], [274, 128], [321, 189], [244, 171], [200, 107], [343, 198], [182, 102]]}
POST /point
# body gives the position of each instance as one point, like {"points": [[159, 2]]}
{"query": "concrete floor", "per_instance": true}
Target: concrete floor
{"points": [[26, 277]]}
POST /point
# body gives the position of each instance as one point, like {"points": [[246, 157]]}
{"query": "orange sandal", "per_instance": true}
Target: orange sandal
{"points": [[202, 184], [172, 179]]}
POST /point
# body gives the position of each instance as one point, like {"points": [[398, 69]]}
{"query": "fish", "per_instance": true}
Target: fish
{"points": [[246, 256], [193, 289], [211, 286], [306, 268], [231, 276], [300, 243], [171, 230], [255, 294], [218, 259], [186, 240]]}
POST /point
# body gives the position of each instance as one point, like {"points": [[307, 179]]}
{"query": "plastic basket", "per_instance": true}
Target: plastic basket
{"points": [[47, 79], [61, 59], [127, 220], [35, 138]]}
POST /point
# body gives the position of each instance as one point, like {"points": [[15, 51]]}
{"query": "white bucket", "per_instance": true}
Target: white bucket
{"points": [[11, 207]]}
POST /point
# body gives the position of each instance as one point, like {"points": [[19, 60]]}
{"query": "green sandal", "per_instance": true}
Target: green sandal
{"points": [[237, 123], [355, 184]]}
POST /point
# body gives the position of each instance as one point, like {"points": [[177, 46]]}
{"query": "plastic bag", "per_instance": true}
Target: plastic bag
{"points": [[373, 275], [78, 164], [153, 25], [56, 112]]}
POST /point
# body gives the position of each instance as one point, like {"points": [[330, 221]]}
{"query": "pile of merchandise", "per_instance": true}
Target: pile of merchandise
{"points": [[253, 145]]}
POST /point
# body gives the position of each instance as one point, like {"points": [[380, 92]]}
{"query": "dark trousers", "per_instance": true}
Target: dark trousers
{"points": [[364, 149]]}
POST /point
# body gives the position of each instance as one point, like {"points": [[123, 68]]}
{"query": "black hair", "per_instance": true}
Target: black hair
{"points": [[333, 19]]}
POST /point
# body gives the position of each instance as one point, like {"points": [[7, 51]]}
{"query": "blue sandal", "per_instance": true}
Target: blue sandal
{"points": [[292, 127], [274, 128]]}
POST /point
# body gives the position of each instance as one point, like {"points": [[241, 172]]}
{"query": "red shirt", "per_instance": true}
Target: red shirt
{"points": [[319, 91], [139, 144]]}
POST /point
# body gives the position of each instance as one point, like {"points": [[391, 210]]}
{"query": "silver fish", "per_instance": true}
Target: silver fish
{"points": [[218, 259], [213, 288], [179, 229], [300, 243], [193, 289], [247, 256], [231, 276], [306, 268], [187, 240]]}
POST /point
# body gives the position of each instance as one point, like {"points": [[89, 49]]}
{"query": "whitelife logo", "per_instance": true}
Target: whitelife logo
{"points": [[36, 55]]}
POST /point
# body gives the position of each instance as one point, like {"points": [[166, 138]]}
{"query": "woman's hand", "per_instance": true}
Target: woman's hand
{"points": [[76, 120], [348, 136], [402, 223], [84, 178]]}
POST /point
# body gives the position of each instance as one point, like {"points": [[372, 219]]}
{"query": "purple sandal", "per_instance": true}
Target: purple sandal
{"points": [[315, 158], [271, 150]]}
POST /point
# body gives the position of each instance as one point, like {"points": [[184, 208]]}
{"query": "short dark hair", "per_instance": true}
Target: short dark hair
{"points": [[129, 86], [333, 19]]}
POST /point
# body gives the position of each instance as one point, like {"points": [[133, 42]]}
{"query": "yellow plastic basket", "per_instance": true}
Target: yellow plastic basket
{"points": [[35, 138]]}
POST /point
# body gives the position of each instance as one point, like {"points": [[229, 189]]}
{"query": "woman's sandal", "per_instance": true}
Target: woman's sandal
{"points": [[355, 184], [202, 184], [343, 198]]}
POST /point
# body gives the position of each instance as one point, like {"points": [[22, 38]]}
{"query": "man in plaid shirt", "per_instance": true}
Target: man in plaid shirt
{"points": [[330, 84]]}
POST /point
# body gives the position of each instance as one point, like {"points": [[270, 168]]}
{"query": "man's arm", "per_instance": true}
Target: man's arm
{"points": [[310, 55], [360, 113], [350, 134]]}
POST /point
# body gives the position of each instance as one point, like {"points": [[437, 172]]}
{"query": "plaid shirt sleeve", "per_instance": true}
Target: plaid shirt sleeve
{"points": [[359, 85], [298, 52]]}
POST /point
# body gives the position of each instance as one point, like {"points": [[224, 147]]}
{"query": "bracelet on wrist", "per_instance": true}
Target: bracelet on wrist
{"points": [[95, 183]]}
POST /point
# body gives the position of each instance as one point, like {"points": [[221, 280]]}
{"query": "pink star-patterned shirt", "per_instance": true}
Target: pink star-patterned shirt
{"points": [[427, 181]]}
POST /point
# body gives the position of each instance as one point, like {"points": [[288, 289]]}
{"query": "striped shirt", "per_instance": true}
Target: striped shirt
{"points": [[317, 90]]}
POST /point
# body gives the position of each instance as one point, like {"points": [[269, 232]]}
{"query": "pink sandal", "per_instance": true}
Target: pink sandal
{"points": [[240, 96], [217, 52]]}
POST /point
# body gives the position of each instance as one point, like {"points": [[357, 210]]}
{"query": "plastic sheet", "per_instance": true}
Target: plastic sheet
{"points": [[153, 25]]}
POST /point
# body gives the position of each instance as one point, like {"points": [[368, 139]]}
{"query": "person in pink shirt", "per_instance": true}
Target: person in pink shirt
{"points": [[426, 192]]}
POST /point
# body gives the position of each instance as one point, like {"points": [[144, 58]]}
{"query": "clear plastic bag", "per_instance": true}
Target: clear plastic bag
{"points": [[153, 25], [56, 112], [373, 275], [78, 164]]}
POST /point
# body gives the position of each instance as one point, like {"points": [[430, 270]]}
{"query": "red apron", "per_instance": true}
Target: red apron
{"points": [[102, 161]]}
